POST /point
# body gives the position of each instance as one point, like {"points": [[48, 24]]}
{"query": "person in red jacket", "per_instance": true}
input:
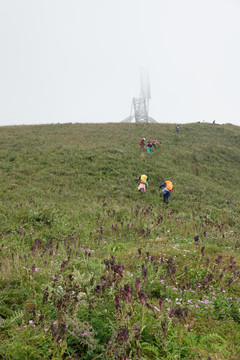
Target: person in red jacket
{"points": [[142, 143], [168, 186]]}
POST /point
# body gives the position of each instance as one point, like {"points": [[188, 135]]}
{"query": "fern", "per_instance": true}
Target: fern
{"points": [[150, 348], [16, 317]]}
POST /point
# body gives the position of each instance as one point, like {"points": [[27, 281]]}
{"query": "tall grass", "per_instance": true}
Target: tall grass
{"points": [[92, 269]]}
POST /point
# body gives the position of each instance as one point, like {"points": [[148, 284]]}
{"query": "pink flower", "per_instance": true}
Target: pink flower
{"points": [[55, 322], [30, 321], [46, 329], [84, 333]]}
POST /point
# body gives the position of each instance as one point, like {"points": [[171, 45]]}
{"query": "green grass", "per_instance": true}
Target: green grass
{"points": [[92, 269]]}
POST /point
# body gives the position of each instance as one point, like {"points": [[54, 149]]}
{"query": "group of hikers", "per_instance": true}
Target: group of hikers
{"points": [[149, 144], [143, 178], [167, 186]]}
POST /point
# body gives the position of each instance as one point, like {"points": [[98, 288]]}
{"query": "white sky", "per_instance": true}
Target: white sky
{"points": [[79, 60]]}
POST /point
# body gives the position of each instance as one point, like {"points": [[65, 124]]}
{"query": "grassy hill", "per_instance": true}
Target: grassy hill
{"points": [[93, 269]]}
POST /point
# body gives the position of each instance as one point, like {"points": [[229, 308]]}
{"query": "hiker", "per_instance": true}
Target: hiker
{"points": [[177, 128], [154, 143], [168, 186], [149, 146], [142, 143], [143, 182]]}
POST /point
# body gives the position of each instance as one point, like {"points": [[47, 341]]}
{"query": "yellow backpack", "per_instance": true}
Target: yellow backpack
{"points": [[143, 179]]}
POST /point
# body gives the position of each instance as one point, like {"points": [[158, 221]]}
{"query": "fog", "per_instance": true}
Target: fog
{"points": [[79, 61]]}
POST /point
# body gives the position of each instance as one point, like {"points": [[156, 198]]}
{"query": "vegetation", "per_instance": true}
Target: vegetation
{"points": [[93, 269]]}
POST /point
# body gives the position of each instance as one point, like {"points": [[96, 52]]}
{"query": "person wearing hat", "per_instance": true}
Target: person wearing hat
{"points": [[142, 143], [168, 186]]}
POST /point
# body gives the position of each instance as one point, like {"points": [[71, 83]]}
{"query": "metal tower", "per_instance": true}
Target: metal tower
{"points": [[140, 105]]}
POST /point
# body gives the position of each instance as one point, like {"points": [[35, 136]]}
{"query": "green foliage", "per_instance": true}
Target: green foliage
{"points": [[92, 269]]}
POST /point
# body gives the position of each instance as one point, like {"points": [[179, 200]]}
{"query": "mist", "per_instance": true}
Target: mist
{"points": [[79, 61]]}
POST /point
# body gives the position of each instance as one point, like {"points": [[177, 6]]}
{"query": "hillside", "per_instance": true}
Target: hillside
{"points": [[93, 269]]}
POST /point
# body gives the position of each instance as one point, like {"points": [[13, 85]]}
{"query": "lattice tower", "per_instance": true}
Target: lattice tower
{"points": [[140, 105]]}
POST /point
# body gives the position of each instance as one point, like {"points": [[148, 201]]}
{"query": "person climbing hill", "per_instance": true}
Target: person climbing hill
{"points": [[143, 182], [154, 143], [142, 143], [168, 186], [149, 146]]}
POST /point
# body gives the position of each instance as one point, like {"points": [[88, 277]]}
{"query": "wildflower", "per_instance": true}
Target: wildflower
{"points": [[196, 239], [55, 322], [163, 324], [137, 284], [46, 329], [160, 303], [30, 321], [84, 333], [123, 334], [142, 297], [144, 272]]}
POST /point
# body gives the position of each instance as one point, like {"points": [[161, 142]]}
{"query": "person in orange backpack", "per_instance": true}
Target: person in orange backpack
{"points": [[167, 188]]}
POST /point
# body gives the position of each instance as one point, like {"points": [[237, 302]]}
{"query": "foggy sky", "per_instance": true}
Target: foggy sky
{"points": [[79, 60]]}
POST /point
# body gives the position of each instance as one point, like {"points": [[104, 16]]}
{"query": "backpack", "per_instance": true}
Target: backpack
{"points": [[143, 179]]}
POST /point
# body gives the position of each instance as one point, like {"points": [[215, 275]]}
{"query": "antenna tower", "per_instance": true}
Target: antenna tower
{"points": [[140, 105]]}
